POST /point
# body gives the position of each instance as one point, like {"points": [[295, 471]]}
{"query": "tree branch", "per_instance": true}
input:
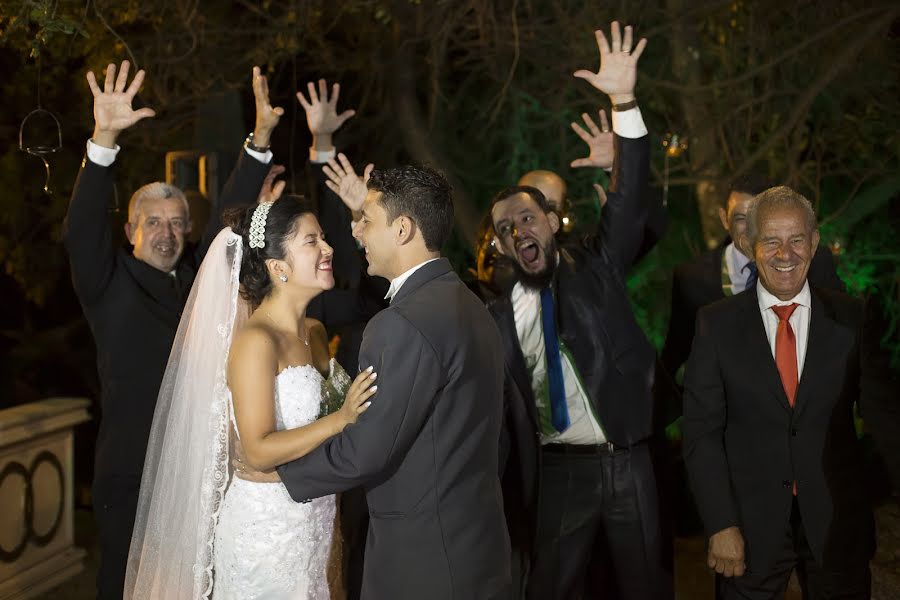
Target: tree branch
{"points": [[806, 100]]}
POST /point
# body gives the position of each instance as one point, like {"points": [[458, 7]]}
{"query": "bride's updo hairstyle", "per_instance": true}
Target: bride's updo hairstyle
{"points": [[280, 228]]}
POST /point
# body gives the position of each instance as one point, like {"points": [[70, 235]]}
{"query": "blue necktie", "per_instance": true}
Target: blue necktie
{"points": [[754, 275], [559, 412]]}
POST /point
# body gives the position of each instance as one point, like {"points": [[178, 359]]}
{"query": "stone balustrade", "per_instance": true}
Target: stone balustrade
{"points": [[37, 549]]}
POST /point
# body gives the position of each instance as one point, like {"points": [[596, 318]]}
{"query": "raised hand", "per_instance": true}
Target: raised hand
{"points": [[618, 64], [266, 116], [112, 106], [321, 113], [343, 181], [272, 190], [600, 143]]}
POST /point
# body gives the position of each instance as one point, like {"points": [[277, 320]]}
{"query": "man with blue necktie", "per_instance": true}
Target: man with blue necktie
{"points": [[579, 372]]}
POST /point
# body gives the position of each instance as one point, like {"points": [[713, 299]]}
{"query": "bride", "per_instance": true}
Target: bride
{"points": [[246, 357]]}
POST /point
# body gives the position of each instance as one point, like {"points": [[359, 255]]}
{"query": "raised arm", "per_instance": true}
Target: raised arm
{"points": [[253, 164], [409, 376], [622, 226], [86, 233], [323, 121]]}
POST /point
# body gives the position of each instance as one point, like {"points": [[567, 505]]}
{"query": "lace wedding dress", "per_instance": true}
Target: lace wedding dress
{"points": [[267, 546]]}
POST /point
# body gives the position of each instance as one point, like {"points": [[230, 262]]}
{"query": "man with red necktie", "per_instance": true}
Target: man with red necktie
{"points": [[769, 438]]}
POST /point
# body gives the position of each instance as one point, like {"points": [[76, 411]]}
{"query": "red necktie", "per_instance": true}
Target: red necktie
{"points": [[786, 354], [786, 351]]}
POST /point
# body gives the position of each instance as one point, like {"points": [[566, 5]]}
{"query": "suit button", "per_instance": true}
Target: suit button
{"points": [[793, 433], [786, 483]]}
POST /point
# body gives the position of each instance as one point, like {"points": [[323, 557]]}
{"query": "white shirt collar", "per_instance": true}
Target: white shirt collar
{"points": [[767, 300], [737, 258], [397, 282]]}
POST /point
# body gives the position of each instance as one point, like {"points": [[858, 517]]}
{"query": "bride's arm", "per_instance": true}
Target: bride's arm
{"points": [[252, 368]]}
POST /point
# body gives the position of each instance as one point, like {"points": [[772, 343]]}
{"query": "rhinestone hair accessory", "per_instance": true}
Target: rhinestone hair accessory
{"points": [[258, 225]]}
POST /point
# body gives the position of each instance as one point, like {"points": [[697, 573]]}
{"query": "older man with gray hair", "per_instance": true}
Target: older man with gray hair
{"points": [[133, 300], [769, 437]]}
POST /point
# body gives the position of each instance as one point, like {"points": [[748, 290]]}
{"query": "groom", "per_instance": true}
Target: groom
{"points": [[426, 450]]}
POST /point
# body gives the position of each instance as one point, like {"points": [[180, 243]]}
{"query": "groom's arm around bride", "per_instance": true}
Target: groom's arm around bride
{"points": [[426, 450]]}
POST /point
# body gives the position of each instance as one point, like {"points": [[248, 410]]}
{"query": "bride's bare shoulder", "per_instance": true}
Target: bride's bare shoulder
{"points": [[254, 342]]}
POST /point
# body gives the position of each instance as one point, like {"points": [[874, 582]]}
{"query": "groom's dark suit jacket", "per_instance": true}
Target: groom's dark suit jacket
{"points": [[744, 445], [426, 450]]}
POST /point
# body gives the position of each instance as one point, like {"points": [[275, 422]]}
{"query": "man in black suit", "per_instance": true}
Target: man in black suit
{"points": [[724, 271], [769, 439], [579, 373], [426, 450], [133, 300]]}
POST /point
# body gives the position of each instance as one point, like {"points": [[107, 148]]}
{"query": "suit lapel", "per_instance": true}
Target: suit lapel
{"points": [[507, 325], [759, 348], [821, 328]]}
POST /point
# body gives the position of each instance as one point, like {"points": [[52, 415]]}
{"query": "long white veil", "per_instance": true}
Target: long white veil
{"points": [[186, 468]]}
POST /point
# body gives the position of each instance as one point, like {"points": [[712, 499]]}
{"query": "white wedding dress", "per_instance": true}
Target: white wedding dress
{"points": [[266, 545]]}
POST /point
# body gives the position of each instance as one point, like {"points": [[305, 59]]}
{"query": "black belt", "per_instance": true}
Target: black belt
{"points": [[590, 449]]}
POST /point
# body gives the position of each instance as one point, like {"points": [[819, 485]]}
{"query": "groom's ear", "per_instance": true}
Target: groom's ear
{"points": [[406, 230]]}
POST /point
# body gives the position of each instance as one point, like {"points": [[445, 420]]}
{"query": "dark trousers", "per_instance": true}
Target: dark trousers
{"points": [[354, 527], [817, 583], [610, 496], [115, 504]]}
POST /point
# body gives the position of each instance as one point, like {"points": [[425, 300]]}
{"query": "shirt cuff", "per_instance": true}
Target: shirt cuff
{"points": [[100, 155], [321, 156], [629, 123], [263, 157]]}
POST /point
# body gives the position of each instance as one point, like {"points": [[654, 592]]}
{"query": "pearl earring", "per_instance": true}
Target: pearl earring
{"points": [[283, 278]]}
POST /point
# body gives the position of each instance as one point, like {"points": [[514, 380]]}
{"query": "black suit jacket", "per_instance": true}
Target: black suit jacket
{"points": [[596, 322], [133, 309], [744, 445], [699, 282], [426, 450]]}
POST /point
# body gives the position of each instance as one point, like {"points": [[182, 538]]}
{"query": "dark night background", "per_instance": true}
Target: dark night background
{"points": [[804, 92]]}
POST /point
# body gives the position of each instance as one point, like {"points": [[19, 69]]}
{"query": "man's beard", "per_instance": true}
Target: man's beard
{"points": [[542, 278]]}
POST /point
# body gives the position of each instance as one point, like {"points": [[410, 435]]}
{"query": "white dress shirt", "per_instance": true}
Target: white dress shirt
{"points": [[103, 156], [799, 320], [736, 261], [397, 282], [585, 427], [629, 123]]}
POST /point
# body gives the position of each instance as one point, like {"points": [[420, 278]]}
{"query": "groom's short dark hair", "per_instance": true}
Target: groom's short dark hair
{"points": [[421, 194]]}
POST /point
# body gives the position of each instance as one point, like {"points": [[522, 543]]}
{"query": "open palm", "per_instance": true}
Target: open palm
{"points": [[112, 105], [321, 111], [343, 181], [618, 63]]}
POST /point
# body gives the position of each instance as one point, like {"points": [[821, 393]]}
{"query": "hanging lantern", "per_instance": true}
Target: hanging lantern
{"points": [[40, 135]]}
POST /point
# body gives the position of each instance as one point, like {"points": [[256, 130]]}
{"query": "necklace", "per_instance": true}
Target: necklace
{"points": [[305, 341]]}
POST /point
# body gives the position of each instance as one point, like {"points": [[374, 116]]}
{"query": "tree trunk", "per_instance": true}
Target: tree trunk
{"points": [[417, 137], [702, 143]]}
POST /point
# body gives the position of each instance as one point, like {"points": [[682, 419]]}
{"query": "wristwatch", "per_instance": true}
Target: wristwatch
{"points": [[248, 143], [625, 105]]}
